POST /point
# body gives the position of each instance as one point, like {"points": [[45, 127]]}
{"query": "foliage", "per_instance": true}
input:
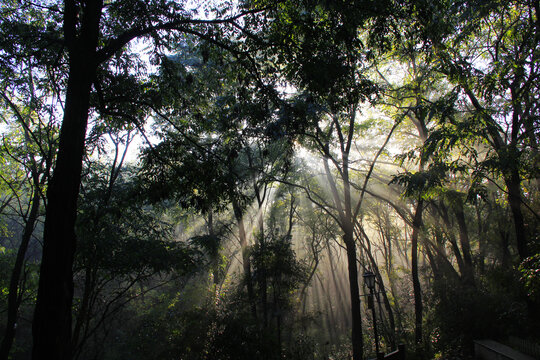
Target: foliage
{"points": [[230, 98], [219, 140], [275, 262], [125, 250], [530, 276], [462, 314]]}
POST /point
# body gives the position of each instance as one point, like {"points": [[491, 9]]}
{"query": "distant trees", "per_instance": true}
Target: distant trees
{"points": [[126, 249], [322, 56]]}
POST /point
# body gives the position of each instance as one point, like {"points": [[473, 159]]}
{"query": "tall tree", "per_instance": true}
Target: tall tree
{"points": [[93, 34], [490, 51], [322, 54]]}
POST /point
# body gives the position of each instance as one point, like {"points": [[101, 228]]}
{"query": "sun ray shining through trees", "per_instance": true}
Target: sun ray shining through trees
{"points": [[212, 180]]}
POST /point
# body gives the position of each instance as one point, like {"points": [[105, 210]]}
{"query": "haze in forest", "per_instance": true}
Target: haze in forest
{"points": [[269, 179]]}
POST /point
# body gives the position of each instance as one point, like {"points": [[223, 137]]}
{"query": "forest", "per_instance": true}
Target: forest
{"points": [[268, 179]]}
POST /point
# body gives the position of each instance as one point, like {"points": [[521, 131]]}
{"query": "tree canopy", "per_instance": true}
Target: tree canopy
{"points": [[193, 180]]}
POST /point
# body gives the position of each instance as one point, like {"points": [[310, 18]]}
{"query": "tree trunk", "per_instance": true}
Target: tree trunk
{"points": [[513, 183], [417, 223], [262, 277], [246, 262], [441, 266], [481, 241], [346, 222], [465, 243], [452, 239], [357, 341], [52, 318], [14, 298], [387, 305], [511, 176]]}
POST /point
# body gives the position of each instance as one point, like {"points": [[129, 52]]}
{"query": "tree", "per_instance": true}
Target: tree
{"points": [[223, 148], [93, 33], [126, 250], [420, 99], [35, 174], [318, 48], [490, 52], [277, 272], [31, 128]]}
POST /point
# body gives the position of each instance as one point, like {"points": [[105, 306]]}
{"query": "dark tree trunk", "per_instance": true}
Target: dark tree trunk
{"points": [[262, 276], [418, 308], [441, 266], [15, 294], [386, 301], [357, 341], [513, 183], [481, 241], [434, 264], [330, 317], [511, 176], [215, 261], [451, 237], [52, 317], [468, 275]]}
